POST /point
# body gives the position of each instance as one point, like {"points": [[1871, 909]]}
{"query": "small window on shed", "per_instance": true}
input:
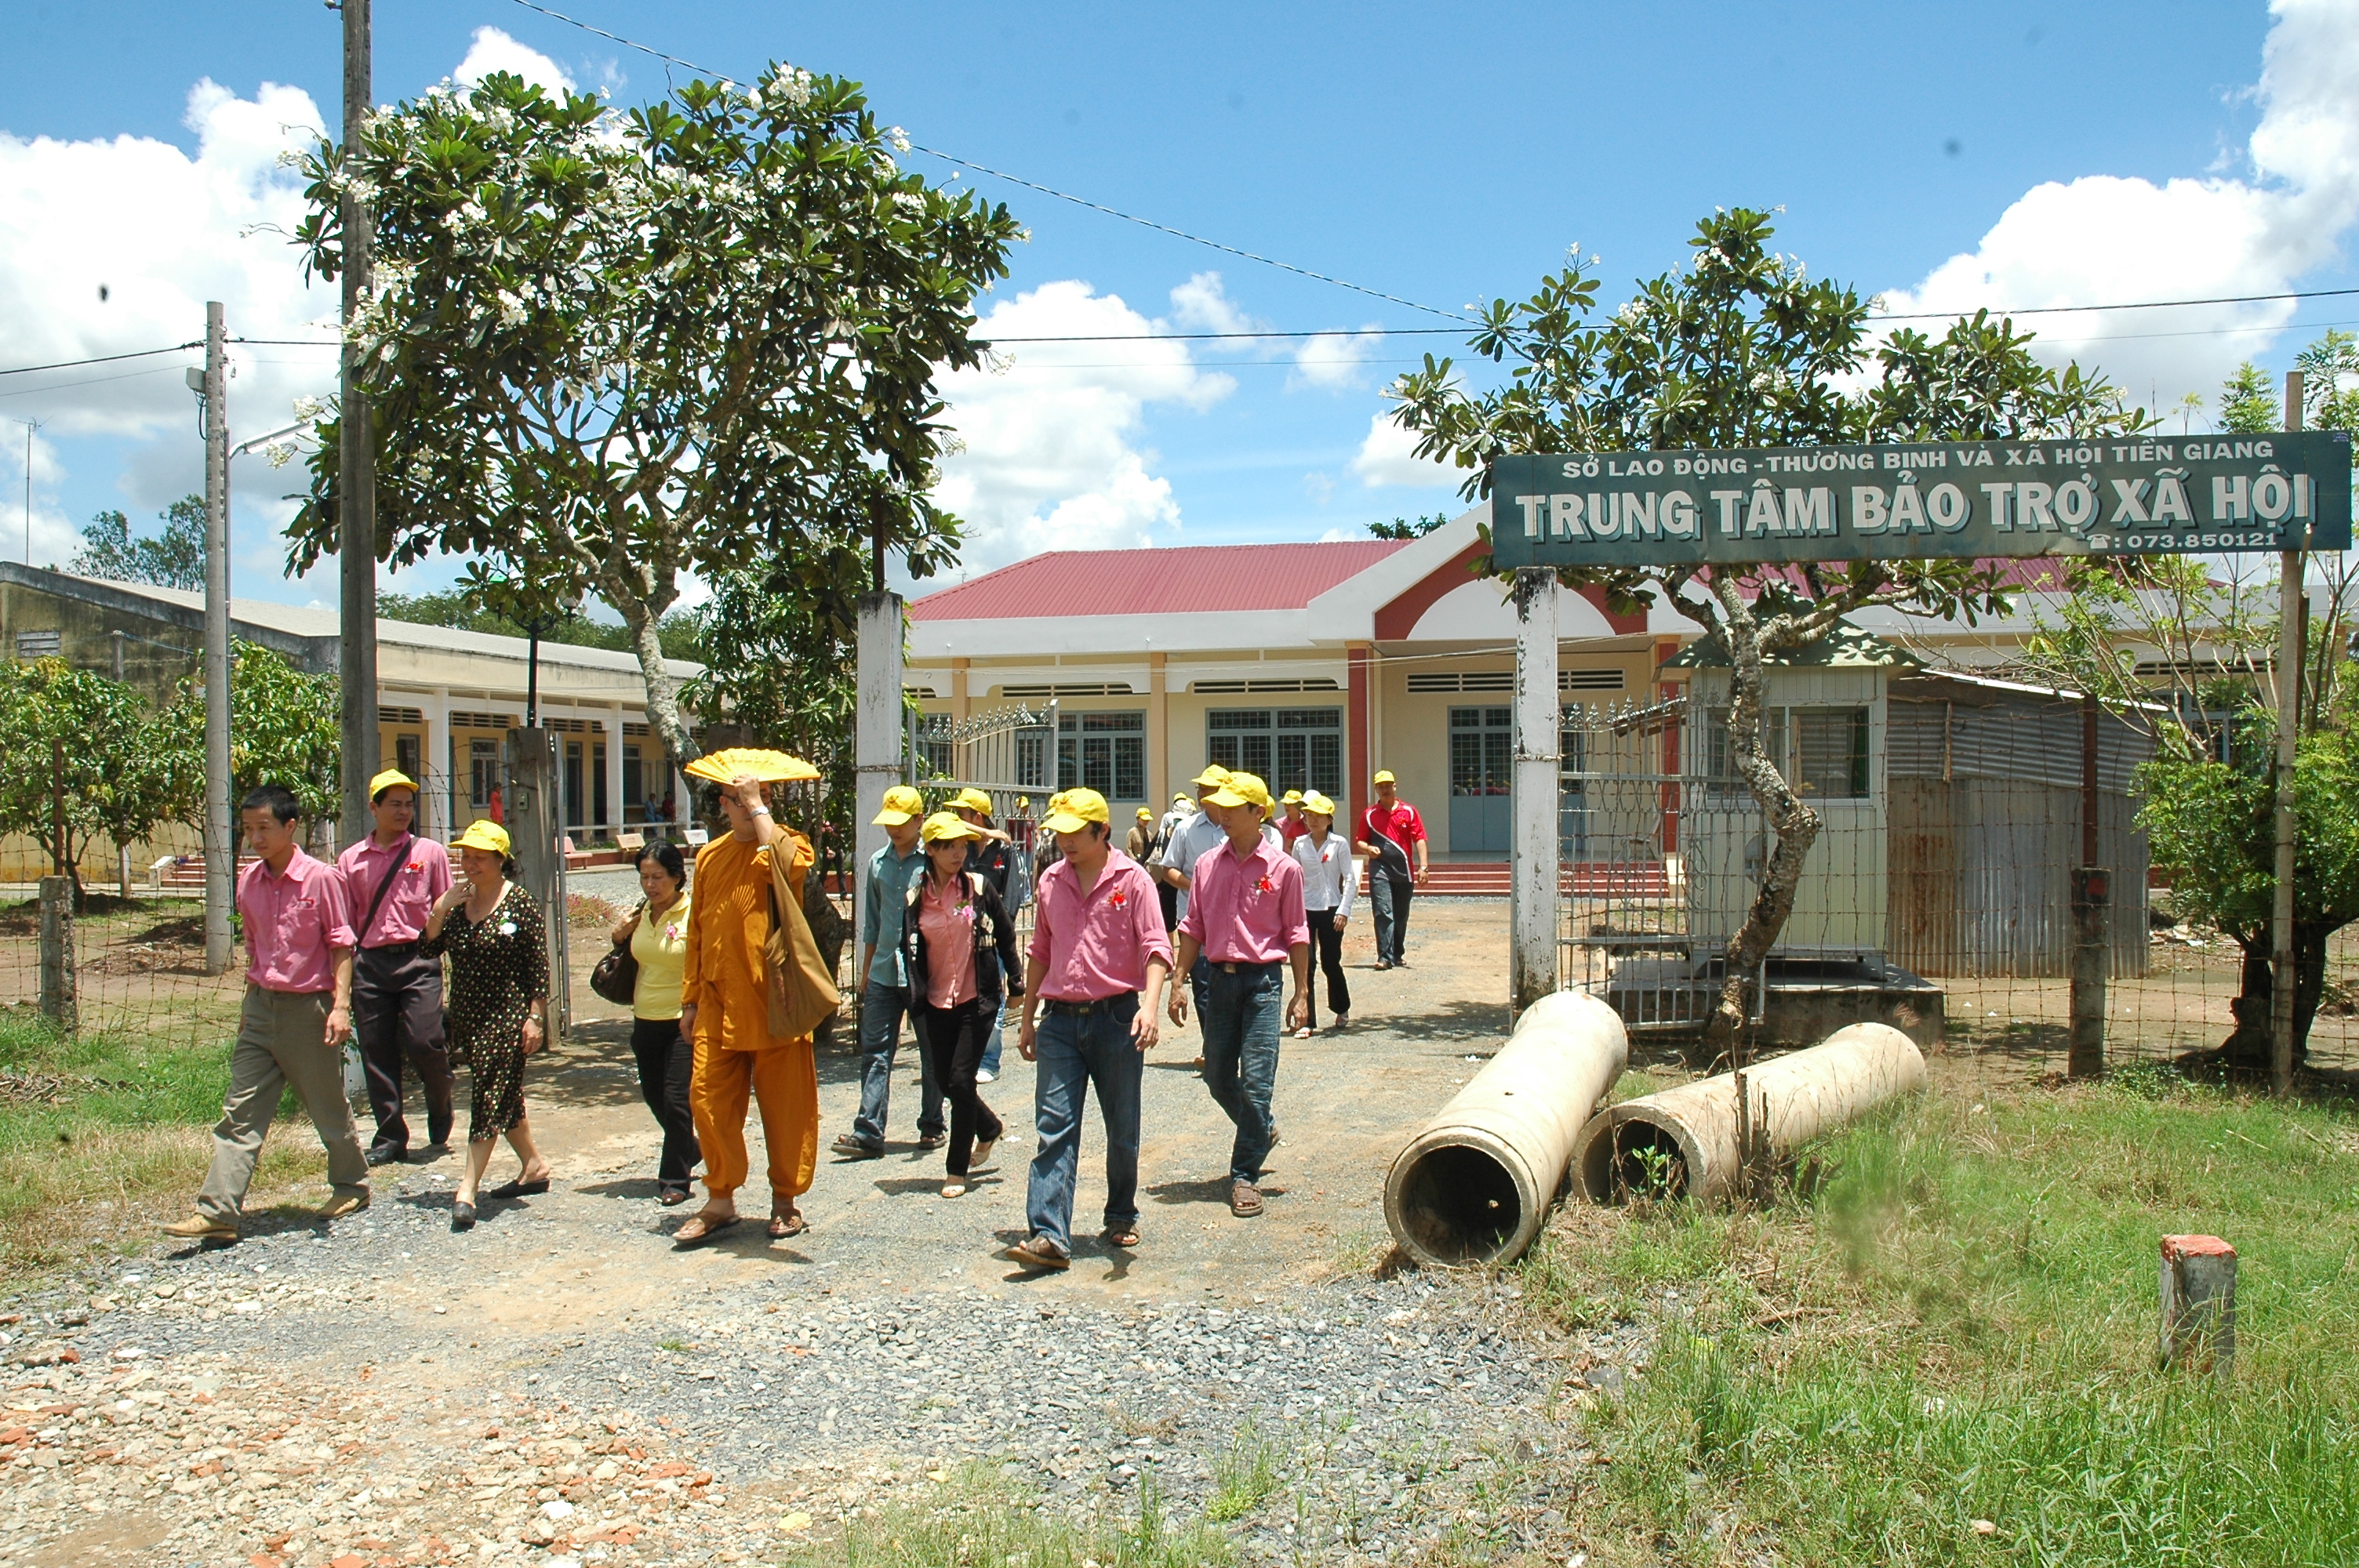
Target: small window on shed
{"points": [[40, 645], [1830, 752]]}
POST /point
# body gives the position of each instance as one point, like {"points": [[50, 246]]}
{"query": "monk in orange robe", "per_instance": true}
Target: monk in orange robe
{"points": [[725, 1011]]}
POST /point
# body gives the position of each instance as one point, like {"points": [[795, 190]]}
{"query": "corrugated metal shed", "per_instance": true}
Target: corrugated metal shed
{"points": [[1192, 579], [1985, 780]]}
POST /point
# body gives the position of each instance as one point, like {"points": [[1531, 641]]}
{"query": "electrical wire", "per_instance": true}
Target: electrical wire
{"points": [[102, 358], [1044, 189]]}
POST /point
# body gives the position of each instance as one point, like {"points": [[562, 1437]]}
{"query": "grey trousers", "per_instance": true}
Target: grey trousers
{"points": [[281, 1040]]}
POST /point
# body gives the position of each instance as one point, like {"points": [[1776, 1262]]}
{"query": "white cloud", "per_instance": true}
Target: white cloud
{"points": [[1388, 456], [2102, 237], [493, 50], [1203, 305], [111, 246], [1049, 459], [1333, 362]]}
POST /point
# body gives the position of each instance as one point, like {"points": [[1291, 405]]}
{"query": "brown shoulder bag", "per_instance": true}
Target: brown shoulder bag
{"points": [[802, 988]]}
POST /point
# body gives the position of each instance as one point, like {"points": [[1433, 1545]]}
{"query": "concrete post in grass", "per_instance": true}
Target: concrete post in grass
{"points": [[2199, 1303], [57, 952]]}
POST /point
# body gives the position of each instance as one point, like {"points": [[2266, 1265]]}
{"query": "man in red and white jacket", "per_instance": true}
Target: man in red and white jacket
{"points": [[1392, 835]]}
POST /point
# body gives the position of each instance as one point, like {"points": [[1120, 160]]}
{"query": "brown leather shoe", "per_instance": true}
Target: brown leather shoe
{"points": [[197, 1228], [342, 1204]]}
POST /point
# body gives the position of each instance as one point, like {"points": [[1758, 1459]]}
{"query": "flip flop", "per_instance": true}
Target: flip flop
{"points": [[1034, 1254], [1119, 1236], [954, 1189], [697, 1230], [858, 1148], [519, 1189], [791, 1223]]}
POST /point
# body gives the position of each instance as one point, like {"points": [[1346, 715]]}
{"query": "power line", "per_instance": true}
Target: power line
{"points": [[102, 358], [1043, 189], [2136, 305]]}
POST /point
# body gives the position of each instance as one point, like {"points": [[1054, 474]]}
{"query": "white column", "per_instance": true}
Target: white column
{"points": [[437, 819], [876, 732], [614, 769], [1532, 966]]}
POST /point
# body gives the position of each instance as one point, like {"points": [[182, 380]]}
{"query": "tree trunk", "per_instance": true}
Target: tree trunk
{"points": [[663, 692], [1782, 811], [2246, 1048]]}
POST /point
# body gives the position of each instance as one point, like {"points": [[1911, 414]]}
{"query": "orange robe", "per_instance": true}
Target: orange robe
{"points": [[736, 1056]]}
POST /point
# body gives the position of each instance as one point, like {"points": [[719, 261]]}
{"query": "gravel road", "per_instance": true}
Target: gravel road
{"points": [[562, 1387]]}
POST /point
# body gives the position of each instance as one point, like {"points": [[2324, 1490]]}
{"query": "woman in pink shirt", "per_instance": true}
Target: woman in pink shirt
{"points": [[957, 944]]}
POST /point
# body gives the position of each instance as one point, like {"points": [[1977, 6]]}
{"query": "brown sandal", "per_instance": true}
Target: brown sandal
{"points": [[1038, 1254], [699, 1229], [791, 1223], [1119, 1236]]}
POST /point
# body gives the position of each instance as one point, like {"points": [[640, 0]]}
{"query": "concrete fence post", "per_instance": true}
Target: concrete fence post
{"points": [[2199, 1303], [57, 952]]}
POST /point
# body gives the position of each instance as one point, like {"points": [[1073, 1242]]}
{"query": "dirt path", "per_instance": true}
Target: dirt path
{"points": [[556, 1382]]}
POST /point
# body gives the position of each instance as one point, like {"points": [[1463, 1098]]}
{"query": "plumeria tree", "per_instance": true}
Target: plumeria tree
{"points": [[1742, 347], [607, 349]]}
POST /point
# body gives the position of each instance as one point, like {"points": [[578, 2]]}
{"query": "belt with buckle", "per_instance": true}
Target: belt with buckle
{"points": [[1229, 967], [400, 949], [1086, 1009]]}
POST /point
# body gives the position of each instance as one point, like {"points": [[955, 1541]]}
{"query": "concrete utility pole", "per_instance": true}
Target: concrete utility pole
{"points": [[31, 426], [221, 844], [876, 732], [356, 472], [1533, 871], [2283, 968]]}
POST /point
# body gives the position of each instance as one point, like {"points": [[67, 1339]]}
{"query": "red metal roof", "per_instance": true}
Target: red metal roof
{"points": [[1185, 580]]}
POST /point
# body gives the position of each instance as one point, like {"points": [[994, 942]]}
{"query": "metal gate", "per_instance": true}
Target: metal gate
{"points": [[1008, 754], [1621, 909]]}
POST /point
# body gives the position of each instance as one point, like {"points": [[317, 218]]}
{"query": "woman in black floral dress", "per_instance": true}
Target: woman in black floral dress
{"points": [[498, 1007]]}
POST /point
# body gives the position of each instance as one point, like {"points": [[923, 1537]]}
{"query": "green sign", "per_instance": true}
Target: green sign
{"points": [[2154, 495]]}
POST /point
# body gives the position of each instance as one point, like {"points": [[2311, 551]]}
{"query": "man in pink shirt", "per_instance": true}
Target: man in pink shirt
{"points": [[1245, 916], [391, 881], [291, 1030], [1097, 963]]}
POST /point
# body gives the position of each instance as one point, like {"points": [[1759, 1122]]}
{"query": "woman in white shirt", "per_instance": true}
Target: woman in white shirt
{"points": [[1329, 877]]}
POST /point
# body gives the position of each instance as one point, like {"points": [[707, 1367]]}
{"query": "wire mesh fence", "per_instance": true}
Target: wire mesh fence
{"points": [[1949, 891]]}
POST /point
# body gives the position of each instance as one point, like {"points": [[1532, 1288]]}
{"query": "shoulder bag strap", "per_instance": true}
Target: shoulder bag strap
{"points": [[383, 888]]}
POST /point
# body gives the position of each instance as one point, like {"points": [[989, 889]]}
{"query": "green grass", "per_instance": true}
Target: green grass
{"points": [[1959, 1326], [124, 1144], [1244, 1475], [981, 1519]]}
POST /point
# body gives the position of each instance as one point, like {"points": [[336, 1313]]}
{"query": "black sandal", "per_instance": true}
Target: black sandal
{"points": [[507, 1190]]}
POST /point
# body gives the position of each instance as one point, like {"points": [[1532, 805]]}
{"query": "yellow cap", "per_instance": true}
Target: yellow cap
{"points": [[970, 799], [392, 778], [1182, 798], [1242, 789], [483, 834], [1313, 800], [946, 827], [902, 804], [1213, 776], [1145, 814], [1385, 775], [1071, 810], [1294, 797]]}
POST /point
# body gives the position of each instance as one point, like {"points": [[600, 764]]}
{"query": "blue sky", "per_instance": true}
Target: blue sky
{"points": [[1440, 153]]}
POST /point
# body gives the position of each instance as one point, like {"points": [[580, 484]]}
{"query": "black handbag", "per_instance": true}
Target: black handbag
{"points": [[617, 978]]}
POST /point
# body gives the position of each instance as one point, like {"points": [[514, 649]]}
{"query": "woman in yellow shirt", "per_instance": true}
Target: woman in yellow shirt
{"points": [[658, 933]]}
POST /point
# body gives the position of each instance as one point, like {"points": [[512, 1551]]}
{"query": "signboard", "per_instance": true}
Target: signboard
{"points": [[2153, 495]]}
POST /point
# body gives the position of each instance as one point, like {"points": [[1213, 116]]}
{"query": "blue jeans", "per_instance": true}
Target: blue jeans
{"points": [[1074, 1052], [1390, 898], [881, 1007], [991, 1044], [1243, 1009]]}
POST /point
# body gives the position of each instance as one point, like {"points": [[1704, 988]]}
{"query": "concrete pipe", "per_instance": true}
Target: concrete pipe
{"points": [[1473, 1185], [1689, 1141]]}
